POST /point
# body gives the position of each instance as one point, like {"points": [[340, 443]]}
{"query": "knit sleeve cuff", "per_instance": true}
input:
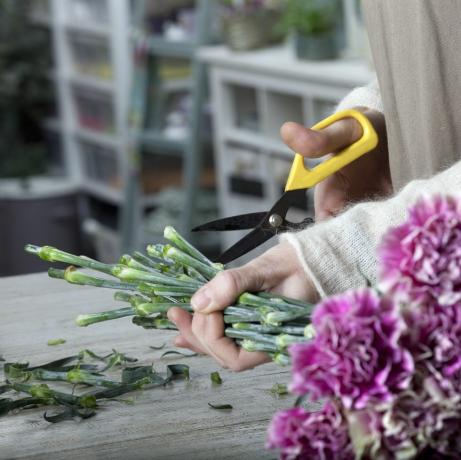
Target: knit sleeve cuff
{"points": [[364, 96], [296, 244]]}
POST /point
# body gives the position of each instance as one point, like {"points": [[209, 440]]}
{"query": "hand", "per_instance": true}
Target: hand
{"points": [[367, 177], [277, 270]]}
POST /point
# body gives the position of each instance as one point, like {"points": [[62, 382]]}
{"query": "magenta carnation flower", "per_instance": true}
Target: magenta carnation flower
{"points": [[315, 435], [423, 419], [374, 437], [420, 260], [434, 338], [356, 354]]}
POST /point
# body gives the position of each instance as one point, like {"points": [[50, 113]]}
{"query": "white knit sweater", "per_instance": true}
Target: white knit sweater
{"points": [[340, 253]]}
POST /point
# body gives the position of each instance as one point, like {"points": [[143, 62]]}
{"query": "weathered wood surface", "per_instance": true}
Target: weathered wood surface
{"points": [[164, 423]]}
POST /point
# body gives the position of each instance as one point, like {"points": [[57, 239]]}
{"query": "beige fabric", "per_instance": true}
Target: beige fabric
{"points": [[417, 50], [416, 47]]}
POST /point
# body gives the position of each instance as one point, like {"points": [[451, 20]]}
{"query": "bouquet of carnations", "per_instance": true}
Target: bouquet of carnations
{"points": [[387, 362]]}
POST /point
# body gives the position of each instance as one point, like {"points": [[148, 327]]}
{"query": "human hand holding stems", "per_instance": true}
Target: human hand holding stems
{"points": [[279, 270]]}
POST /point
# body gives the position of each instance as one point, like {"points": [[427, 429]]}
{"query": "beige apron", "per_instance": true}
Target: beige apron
{"points": [[416, 47]]}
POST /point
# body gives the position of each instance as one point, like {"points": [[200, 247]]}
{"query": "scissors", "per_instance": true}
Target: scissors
{"points": [[267, 224]]}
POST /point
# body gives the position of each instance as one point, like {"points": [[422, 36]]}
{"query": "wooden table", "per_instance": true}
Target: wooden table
{"points": [[164, 423]]}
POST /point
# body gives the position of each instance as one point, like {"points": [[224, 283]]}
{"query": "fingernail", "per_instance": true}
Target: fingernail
{"points": [[201, 300]]}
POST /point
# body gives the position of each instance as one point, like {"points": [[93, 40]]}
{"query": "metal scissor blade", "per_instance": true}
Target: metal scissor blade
{"points": [[240, 222], [250, 241]]}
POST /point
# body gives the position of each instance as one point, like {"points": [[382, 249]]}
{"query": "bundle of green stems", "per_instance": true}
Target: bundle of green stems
{"points": [[167, 276]]}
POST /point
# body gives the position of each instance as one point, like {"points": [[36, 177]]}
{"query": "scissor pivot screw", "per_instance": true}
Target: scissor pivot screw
{"points": [[275, 220]]}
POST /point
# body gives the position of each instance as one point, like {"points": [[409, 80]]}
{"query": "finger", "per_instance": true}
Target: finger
{"points": [[203, 329], [329, 198], [210, 331], [181, 342], [225, 287], [262, 273], [183, 321], [315, 144]]}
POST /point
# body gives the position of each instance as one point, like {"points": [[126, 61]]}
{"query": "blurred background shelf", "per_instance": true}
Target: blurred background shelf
{"points": [[167, 116], [152, 121], [158, 141]]}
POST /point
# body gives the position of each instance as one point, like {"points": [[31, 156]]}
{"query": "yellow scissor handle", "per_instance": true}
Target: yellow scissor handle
{"points": [[301, 177]]}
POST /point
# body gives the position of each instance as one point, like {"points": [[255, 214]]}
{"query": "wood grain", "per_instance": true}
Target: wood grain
{"points": [[164, 423]]}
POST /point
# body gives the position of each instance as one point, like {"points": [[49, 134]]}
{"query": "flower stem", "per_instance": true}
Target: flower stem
{"points": [[251, 345], [147, 261], [276, 318], [172, 235], [172, 291], [131, 274], [92, 318], [52, 254], [73, 276], [153, 323], [267, 329], [187, 261], [146, 309]]}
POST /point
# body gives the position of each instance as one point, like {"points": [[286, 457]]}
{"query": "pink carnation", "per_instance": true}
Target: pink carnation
{"points": [[434, 339], [356, 354], [420, 260], [319, 435]]}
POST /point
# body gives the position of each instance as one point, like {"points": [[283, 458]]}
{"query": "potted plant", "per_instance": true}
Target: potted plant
{"points": [[314, 25], [32, 205], [250, 24]]}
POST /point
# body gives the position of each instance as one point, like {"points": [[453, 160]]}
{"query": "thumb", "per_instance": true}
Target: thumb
{"points": [[225, 287], [315, 144]]}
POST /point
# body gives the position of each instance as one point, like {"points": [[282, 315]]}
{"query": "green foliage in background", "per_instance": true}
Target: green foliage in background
{"points": [[25, 93], [311, 17]]}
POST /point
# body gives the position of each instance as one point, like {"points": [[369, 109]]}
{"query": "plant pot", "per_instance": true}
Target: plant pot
{"points": [[243, 32], [316, 47], [40, 211]]}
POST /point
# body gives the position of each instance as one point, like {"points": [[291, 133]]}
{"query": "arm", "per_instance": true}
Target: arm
{"points": [[333, 256], [339, 254]]}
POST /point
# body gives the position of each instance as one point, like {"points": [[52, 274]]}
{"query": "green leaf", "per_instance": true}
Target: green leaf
{"points": [[279, 389], [17, 371], [53, 342], [69, 413], [42, 391], [134, 374], [7, 405], [221, 406], [117, 359], [88, 354], [5, 388], [216, 378], [177, 370], [56, 365], [300, 400], [175, 352], [87, 401]]}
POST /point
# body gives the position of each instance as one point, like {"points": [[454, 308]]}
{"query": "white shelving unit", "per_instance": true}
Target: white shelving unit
{"points": [[253, 94], [92, 56]]}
